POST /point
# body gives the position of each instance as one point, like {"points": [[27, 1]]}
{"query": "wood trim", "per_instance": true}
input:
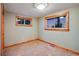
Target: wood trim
{"points": [[2, 34], [29, 18], [2, 28], [19, 43], [0, 52], [51, 44], [55, 45], [24, 25], [65, 13]]}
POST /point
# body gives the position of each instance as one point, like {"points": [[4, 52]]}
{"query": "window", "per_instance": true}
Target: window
{"points": [[27, 22], [21, 21], [59, 22]]}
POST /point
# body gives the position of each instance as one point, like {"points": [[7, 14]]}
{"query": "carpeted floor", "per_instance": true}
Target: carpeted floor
{"points": [[36, 48]]}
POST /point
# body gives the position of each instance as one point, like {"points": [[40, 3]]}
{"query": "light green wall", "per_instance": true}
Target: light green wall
{"points": [[17, 34], [66, 39], [14, 34]]}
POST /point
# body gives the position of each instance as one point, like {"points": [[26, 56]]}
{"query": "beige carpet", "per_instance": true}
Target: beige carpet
{"points": [[36, 48]]}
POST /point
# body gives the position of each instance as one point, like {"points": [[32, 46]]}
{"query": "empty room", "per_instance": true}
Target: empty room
{"points": [[39, 29]]}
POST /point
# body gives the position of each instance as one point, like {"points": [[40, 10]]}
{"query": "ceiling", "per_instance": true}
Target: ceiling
{"points": [[28, 9]]}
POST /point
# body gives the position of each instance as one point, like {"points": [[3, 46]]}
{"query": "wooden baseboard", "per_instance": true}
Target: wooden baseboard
{"points": [[55, 45], [19, 43], [51, 44]]}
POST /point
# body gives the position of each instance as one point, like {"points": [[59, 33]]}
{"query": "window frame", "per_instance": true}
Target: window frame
{"points": [[25, 18], [60, 14]]}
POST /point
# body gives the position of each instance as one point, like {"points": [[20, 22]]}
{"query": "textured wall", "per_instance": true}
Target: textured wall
{"points": [[66, 39], [15, 34]]}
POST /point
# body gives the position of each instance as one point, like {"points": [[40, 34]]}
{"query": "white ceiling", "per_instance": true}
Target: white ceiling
{"points": [[28, 9]]}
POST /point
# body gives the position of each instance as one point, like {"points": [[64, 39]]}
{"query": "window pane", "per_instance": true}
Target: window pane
{"points": [[18, 21], [51, 22], [27, 22], [63, 21], [22, 21], [58, 22]]}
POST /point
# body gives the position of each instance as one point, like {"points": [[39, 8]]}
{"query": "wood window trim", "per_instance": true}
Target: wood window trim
{"points": [[2, 28], [30, 18], [2, 25], [64, 13]]}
